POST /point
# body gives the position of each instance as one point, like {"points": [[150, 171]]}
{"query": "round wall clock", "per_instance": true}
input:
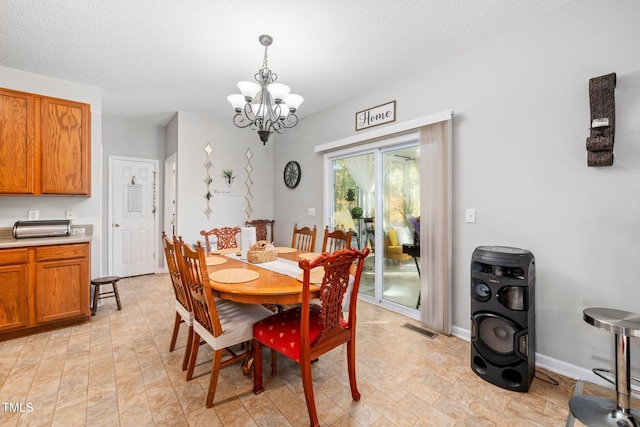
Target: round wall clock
{"points": [[292, 174]]}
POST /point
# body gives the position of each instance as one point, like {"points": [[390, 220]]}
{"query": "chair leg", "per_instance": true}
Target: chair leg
{"points": [[187, 350], [351, 366], [274, 363], [117, 295], [257, 367], [307, 384], [174, 335], [195, 345], [96, 293], [213, 382]]}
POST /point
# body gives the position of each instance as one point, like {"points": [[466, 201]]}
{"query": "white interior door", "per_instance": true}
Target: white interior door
{"points": [[133, 216]]}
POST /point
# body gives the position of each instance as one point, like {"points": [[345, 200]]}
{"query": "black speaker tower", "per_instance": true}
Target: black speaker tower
{"points": [[503, 316]]}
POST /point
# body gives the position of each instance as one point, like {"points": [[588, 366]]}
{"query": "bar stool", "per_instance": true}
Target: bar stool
{"points": [[97, 283], [597, 411]]}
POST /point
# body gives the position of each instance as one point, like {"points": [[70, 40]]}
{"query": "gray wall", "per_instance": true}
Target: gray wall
{"points": [[521, 119], [135, 139]]}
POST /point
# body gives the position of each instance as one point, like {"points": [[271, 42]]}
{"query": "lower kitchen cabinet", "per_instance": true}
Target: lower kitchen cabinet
{"points": [[43, 287], [13, 289]]}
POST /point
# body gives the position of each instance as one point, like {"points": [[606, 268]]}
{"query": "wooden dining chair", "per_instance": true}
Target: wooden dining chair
{"points": [[305, 334], [183, 305], [262, 231], [226, 237], [221, 326], [335, 240], [304, 239]]}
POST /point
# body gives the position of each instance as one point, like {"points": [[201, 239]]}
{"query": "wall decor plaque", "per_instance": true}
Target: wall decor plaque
{"points": [[385, 113]]}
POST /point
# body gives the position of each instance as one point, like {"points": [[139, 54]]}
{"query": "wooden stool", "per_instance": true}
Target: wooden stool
{"points": [[113, 280]]}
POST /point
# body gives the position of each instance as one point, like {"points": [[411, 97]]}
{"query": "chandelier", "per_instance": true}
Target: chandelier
{"points": [[265, 106]]}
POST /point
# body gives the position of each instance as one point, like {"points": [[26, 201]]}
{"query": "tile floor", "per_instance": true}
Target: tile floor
{"points": [[117, 370]]}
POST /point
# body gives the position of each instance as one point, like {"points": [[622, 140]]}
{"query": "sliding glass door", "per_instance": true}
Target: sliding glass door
{"points": [[376, 194], [354, 207], [400, 225]]}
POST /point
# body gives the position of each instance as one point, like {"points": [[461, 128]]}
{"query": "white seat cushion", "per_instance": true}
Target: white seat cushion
{"points": [[187, 316], [237, 321]]}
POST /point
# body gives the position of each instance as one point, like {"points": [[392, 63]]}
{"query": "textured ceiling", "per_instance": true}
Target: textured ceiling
{"points": [[152, 58]]}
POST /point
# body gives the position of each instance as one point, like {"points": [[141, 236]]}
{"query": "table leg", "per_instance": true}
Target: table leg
{"points": [[597, 411]]}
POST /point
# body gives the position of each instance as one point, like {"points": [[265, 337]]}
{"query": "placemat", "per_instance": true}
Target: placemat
{"points": [[215, 260], [234, 275], [309, 256], [226, 251], [285, 250], [316, 276]]}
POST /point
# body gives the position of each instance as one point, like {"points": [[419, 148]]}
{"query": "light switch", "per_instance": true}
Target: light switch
{"points": [[471, 215], [311, 211], [33, 214]]}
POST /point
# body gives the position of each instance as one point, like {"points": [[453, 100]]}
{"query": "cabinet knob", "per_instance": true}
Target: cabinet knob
{"points": [[116, 225]]}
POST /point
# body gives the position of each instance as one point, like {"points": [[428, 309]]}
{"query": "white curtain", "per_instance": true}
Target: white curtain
{"points": [[362, 171], [435, 226]]}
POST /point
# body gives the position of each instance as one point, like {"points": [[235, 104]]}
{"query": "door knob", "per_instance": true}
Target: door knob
{"points": [[116, 225]]}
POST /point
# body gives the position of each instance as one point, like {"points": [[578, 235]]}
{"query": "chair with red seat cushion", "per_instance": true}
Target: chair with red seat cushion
{"points": [[305, 334]]}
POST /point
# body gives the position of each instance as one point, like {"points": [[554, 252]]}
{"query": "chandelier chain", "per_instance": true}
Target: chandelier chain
{"points": [[264, 61]]}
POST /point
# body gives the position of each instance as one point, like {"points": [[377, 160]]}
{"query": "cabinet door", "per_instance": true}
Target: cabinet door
{"points": [[65, 147], [13, 289], [62, 283], [17, 142]]}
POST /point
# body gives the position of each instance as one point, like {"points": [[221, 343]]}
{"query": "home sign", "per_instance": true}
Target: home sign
{"points": [[375, 116]]}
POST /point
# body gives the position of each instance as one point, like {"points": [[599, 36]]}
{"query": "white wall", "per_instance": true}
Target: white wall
{"points": [[229, 147], [88, 209], [521, 119]]}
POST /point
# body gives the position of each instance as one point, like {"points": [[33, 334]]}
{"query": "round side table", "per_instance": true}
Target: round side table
{"points": [[597, 411]]}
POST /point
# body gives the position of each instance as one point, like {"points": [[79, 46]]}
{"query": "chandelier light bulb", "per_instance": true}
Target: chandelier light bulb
{"points": [[281, 110], [293, 101], [248, 89], [278, 91], [237, 102], [255, 108]]}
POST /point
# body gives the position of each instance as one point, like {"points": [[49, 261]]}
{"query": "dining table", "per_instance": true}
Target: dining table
{"points": [[269, 287]]}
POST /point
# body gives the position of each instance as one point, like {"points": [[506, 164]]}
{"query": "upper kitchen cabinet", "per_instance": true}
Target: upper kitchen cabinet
{"points": [[45, 145], [65, 147], [17, 142]]}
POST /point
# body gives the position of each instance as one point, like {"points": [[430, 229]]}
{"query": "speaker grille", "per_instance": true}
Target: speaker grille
{"points": [[497, 335]]}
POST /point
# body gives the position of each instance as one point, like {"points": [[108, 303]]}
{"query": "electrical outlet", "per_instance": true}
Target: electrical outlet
{"points": [[33, 214], [78, 230], [70, 214]]}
